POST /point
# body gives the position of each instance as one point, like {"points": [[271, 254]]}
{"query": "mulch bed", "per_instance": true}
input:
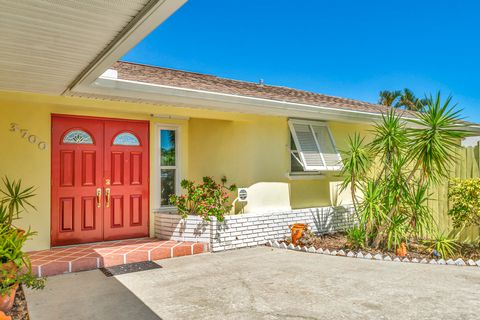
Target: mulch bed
{"points": [[19, 310], [338, 241]]}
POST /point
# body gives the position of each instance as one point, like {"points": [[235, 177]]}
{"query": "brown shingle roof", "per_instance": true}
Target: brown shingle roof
{"points": [[198, 81]]}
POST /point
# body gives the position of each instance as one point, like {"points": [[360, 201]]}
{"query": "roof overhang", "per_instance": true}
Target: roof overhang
{"points": [[152, 15], [51, 47], [110, 87]]}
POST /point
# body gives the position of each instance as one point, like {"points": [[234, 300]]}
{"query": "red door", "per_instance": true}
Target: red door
{"points": [[99, 180]]}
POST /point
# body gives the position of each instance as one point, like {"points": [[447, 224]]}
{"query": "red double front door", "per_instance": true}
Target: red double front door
{"points": [[100, 179]]}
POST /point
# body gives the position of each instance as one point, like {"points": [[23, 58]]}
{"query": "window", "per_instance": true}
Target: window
{"points": [[168, 164], [77, 137], [126, 139], [312, 147]]}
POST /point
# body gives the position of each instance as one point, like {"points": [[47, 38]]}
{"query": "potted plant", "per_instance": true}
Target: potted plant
{"points": [[207, 199], [15, 266]]}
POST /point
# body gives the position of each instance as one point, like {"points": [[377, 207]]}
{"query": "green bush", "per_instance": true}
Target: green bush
{"points": [[464, 195], [390, 176], [207, 199], [444, 245], [356, 237], [11, 250]]}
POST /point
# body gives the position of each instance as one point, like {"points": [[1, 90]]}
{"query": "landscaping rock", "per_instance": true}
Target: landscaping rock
{"points": [[387, 258], [291, 246], [283, 245], [360, 255], [320, 250], [298, 248], [351, 254], [405, 260], [378, 256], [311, 250], [441, 261], [424, 260], [275, 244], [450, 262], [304, 249], [415, 260], [478, 262], [433, 261], [367, 256], [341, 253], [326, 251], [269, 243], [460, 262], [397, 259], [470, 262]]}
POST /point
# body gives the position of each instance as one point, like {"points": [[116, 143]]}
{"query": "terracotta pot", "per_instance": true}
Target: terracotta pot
{"points": [[3, 316], [402, 250], [297, 232], [6, 301]]}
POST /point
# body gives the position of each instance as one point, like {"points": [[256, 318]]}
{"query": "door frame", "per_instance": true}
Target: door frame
{"points": [[61, 115]]}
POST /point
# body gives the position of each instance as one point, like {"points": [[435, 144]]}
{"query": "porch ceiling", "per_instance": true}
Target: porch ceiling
{"points": [[47, 46]]}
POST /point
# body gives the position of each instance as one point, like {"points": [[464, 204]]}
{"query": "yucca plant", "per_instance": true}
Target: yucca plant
{"points": [[14, 199], [413, 157], [443, 244], [356, 162], [397, 231]]}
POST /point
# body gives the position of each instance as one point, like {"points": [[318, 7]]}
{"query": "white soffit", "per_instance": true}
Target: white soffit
{"points": [[46, 46]]}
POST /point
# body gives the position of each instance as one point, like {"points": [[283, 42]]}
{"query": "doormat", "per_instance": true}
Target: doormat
{"points": [[130, 268]]}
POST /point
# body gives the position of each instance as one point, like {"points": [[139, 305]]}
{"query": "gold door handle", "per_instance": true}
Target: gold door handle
{"points": [[99, 197], [107, 197]]}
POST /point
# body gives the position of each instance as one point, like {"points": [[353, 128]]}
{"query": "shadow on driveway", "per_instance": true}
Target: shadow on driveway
{"points": [[86, 295]]}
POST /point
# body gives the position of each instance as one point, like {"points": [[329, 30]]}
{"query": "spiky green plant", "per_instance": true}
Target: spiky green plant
{"points": [[14, 199], [413, 157], [356, 162], [446, 246], [355, 237], [397, 231]]}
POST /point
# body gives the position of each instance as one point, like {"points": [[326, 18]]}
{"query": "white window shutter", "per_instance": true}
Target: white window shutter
{"points": [[329, 151], [307, 146], [315, 145]]}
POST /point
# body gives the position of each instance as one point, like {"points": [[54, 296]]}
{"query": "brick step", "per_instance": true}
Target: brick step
{"points": [[107, 254]]}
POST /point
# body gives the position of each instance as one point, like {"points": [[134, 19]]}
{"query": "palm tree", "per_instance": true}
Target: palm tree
{"points": [[388, 98], [409, 101]]}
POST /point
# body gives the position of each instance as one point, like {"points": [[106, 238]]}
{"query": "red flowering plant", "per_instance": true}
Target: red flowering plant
{"points": [[207, 199]]}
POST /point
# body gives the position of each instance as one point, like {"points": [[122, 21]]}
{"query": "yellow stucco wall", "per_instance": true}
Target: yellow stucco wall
{"points": [[252, 151]]}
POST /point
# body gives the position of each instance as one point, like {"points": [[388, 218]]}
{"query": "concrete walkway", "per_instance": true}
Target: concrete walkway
{"points": [[266, 283]]}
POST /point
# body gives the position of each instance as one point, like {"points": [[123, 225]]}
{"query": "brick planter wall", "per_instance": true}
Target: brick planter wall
{"points": [[251, 229]]}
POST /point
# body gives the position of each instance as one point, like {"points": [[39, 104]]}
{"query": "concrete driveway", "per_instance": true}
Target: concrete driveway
{"points": [[265, 283]]}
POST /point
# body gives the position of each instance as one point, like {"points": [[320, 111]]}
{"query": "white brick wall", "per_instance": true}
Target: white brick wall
{"points": [[250, 229]]}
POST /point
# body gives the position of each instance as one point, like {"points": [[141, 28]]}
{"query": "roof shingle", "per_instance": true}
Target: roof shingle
{"points": [[197, 81]]}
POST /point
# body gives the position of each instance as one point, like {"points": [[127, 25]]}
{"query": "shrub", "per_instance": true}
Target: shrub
{"points": [[444, 245], [464, 196], [11, 244], [356, 237], [410, 160], [207, 199]]}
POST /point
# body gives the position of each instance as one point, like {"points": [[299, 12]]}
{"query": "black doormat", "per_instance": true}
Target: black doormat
{"points": [[129, 268]]}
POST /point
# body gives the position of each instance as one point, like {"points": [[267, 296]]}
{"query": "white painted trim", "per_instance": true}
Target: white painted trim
{"points": [[182, 97], [192, 98], [177, 167]]}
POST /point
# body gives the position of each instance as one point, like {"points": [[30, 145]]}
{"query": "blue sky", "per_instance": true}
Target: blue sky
{"points": [[345, 48]]}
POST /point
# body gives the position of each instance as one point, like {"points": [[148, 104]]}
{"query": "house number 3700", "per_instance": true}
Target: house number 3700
{"points": [[24, 133]]}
